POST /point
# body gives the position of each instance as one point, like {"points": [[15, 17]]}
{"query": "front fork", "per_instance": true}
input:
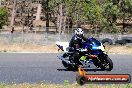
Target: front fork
{"points": [[101, 59]]}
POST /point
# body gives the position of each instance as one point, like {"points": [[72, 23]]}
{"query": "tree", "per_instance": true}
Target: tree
{"points": [[98, 13], [46, 9], [125, 12], [110, 12]]}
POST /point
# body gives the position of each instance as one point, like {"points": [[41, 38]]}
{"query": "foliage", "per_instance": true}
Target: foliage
{"points": [[3, 16], [98, 13], [110, 12]]}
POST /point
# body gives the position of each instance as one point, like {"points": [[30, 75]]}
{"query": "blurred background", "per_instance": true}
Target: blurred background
{"points": [[48, 21]]}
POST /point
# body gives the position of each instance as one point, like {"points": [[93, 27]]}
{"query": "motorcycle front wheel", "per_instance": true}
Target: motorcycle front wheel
{"points": [[106, 64]]}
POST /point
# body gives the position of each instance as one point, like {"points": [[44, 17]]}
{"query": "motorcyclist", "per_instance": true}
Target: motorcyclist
{"points": [[76, 43]]}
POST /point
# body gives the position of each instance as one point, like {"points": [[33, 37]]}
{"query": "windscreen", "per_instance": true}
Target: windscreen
{"points": [[94, 41]]}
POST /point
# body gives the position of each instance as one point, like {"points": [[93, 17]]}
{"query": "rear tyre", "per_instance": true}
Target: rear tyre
{"points": [[107, 41], [121, 42], [69, 66]]}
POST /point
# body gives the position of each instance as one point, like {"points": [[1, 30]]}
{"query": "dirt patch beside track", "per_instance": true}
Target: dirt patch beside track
{"points": [[52, 48]]}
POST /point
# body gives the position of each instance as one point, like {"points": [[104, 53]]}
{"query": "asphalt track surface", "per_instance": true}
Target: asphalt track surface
{"points": [[40, 67]]}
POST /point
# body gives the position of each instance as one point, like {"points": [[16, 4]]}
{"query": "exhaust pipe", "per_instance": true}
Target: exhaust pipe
{"points": [[63, 59]]}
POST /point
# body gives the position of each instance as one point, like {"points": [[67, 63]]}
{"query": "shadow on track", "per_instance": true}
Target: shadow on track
{"points": [[77, 70], [66, 70]]}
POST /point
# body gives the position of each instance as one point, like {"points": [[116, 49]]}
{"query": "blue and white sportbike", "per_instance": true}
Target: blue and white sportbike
{"points": [[92, 51]]}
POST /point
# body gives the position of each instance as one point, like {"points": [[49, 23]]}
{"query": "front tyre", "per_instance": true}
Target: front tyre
{"points": [[109, 64], [106, 64]]}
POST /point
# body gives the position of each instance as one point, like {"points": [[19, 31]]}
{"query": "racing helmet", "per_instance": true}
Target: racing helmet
{"points": [[79, 32]]}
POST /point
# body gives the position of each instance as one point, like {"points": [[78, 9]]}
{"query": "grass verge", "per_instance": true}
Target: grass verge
{"points": [[52, 48], [75, 85], [118, 49], [25, 47]]}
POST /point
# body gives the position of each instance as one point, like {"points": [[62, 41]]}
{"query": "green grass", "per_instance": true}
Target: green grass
{"points": [[65, 85]]}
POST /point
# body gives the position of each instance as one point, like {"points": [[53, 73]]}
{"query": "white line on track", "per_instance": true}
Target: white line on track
{"points": [[26, 52]]}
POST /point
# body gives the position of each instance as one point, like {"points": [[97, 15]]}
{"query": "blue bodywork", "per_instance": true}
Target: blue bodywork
{"points": [[93, 44]]}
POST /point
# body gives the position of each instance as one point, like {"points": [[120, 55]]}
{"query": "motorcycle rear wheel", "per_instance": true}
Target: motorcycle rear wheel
{"points": [[69, 66]]}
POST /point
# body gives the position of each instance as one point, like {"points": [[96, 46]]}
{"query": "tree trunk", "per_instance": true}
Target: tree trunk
{"points": [[60, 26], [123, 23], [0, 3], [47, 16], [60, 19], [0, 26], [64, 25], [11, 28], [38, 12]]}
